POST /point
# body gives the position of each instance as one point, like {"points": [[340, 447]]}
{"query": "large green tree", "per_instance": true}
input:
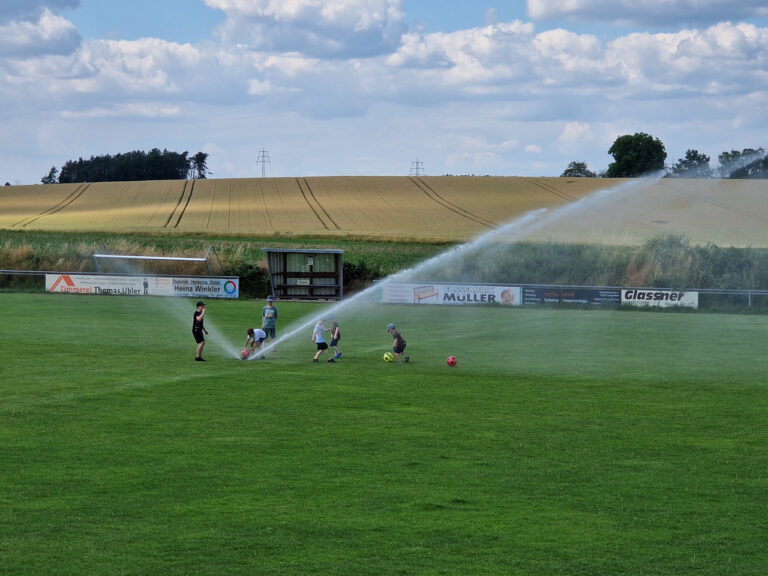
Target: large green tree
{"points": [[636, 155], [50, 178], [198, 165], [578, 170], [749, 163], [694, 165]]}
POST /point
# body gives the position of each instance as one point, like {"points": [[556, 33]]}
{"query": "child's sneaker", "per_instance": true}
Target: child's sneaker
{"points": [[407, 358], [331, 360], [338, 355]]}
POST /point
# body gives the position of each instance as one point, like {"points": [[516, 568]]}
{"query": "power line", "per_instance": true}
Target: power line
{"points": [[417, 168]]}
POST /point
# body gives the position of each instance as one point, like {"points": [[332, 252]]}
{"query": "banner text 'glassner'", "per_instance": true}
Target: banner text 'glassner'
{"points": [[666, 296]]}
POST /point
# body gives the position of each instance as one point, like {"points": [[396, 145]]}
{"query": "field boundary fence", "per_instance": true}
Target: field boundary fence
{"points": [[530, 294], [708, 298], [98, 283]]}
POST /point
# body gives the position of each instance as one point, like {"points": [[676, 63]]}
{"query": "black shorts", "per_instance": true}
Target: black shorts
{"points": [[198, 336], [335, 341], [399, 349], [322, 346]]}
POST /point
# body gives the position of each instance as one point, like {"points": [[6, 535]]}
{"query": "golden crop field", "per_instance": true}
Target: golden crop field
{"points": [[434, 208]]}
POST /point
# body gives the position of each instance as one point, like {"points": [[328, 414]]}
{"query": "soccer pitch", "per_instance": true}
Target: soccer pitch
{"points": [[564, 442]]}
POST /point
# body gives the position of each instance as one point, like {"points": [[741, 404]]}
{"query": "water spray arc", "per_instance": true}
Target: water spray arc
{"points": [[515, 230], [409, 273]]}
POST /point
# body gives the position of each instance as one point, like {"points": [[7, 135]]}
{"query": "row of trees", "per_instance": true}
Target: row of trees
{"points": [[640, 154], [131, 166], [634, 155]]}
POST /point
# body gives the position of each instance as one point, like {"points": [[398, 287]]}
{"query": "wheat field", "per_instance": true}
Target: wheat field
{"points": [[427, 208]]}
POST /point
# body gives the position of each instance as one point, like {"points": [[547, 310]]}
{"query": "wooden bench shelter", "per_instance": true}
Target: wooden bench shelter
{"points": [[306, 274]]}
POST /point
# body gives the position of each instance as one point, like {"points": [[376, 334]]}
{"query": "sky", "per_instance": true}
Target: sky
{"points": [[378, 87]]}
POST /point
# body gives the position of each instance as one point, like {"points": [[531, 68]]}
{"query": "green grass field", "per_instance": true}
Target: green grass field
{"points": [[565, 442]]}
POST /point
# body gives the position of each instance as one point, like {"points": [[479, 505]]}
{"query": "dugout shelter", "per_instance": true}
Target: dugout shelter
{"points": [[306, 274]]}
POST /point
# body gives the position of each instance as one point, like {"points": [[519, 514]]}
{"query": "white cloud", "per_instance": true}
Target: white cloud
{"points": [[716, 60], [504, 43], [327, 28], [50, 34], [508, 62], [554, 74], [259, 88], [650, 12], [137, 110], [144, 67], [576, 132], [30, 9]]}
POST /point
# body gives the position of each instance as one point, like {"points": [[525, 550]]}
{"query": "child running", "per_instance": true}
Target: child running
{"points": [[399, 345], [318, 337], [335, 337]]}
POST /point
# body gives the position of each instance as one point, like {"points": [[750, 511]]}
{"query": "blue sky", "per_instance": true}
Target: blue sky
{"points": [[350, 87], [192, 21], [173, 20]]}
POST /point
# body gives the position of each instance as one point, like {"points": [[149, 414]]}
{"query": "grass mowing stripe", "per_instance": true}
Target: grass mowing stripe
{"points": [[565, 442]]}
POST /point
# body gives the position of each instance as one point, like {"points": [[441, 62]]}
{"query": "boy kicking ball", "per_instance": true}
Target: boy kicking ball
{"points": [[398, 348]]}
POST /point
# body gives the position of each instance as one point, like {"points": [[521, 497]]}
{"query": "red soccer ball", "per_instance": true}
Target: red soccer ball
{"points": [[451, 361]]}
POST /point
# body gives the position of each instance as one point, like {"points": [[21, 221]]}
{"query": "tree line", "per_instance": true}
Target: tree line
{"points": [[634, 155], [131, 166], [641, 154]]}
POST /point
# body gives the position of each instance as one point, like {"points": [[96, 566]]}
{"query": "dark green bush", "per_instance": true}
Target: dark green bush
{"points": [[254, 281]]}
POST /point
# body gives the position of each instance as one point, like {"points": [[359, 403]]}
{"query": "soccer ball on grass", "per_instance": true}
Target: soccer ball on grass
{"points": [[389, 357], [451, 361], [245, 353]]}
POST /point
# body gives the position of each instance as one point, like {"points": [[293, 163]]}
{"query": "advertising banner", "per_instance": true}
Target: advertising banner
{"points": [[429, 293], [570, 295], [213, 287], [660, 298]]}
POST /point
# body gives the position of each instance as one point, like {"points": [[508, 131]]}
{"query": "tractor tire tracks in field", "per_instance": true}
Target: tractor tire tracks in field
{"points": [[314, 204], [568, 198], [548, 188], [433, 195], [76, 193], [181, 205], [718, 204]]}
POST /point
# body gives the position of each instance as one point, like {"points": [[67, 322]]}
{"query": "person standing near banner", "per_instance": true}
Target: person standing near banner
{"points": [[198, 328]]}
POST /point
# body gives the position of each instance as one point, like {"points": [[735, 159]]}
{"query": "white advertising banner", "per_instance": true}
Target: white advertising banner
{"points": [[428, 293], [215, 287], [659, 298]]}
